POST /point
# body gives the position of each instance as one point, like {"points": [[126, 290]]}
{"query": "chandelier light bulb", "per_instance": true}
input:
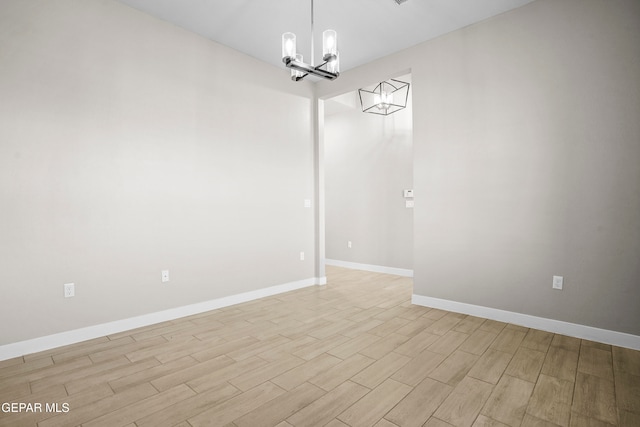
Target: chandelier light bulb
{"points": [[295, 74], [288, 45], [383, 100], [329, 45], [378, 102], [334, 64]]}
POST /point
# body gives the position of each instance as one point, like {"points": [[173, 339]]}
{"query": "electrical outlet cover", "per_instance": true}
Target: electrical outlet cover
{"points": [[69, 290], [557, 282]]}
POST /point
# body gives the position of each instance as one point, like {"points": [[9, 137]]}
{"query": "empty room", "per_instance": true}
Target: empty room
{"points": [[320, 213]]}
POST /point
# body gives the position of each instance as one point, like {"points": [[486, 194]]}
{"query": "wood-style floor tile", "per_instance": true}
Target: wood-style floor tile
{"points": [[380, 370], [338, 374], [595, 398], [384, 423], [478, 342], [560, 363], [629, 419], [237, 406], [551, 400], [282, 407], [454, 368], [355, 352], [416, 408], [384, 346], [484, 421], [492, 326], [508, 340], [490, 366], [177, 412], [95, 379], [526, 364], [182, 376], [318, 347], [329, 406], [464, 403], [448, 342], [417, 344], [143, 407], [228, 373], [414, 327], [434, 422], [531, 421], [627, 388], [509, 400], [537, 340], [418, 368], [301, 373], [86, 413], [372, 407], [353, 345], [259, 375], [598, 345], [469, 325], [566, 343], [594, 361], [579, 420], [445, 323], [626, 360], [388, 327]]}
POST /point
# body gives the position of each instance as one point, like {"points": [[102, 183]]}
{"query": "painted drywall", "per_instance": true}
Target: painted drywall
{"points": [[527, 161], [129, 146], [368, 163]]}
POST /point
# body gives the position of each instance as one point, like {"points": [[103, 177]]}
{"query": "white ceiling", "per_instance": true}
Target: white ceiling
{"points": [[367, 29]]}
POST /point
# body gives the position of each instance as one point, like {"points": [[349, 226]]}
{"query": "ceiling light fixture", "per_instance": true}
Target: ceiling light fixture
{"points": [[329, 69], [386, 98]]}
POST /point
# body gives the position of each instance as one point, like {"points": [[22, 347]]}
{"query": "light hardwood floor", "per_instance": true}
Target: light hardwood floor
{"points": [[352, 353]]}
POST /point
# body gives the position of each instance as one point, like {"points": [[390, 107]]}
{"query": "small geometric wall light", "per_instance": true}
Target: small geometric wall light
{"points": [[386, 98]]}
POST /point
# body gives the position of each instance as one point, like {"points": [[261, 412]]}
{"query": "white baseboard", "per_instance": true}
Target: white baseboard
{"points": [[36, 345], [619, 339], [368, 267]]}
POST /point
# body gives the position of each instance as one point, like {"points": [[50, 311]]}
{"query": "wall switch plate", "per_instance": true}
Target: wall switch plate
{"points": [[165, 276], [408, 193], [557, 282], [408, 203], [301, 256], [307, 203], [69, 290], [349, 244]]}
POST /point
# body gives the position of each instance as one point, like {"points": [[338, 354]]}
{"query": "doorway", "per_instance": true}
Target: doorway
{"points": [[368, 165]]}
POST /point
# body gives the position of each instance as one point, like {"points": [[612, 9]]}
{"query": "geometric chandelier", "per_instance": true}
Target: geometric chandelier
{"points": [[329, 69], [386, 98]]}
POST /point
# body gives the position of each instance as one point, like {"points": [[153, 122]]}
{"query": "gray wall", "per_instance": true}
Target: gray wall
{"points": [[368, 162], [129, 146], [526, 161]]}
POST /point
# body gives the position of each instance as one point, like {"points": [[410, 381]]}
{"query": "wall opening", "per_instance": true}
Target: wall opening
{"points": [[368, 163]]}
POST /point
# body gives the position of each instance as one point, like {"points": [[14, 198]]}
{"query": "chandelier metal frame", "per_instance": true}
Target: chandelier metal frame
{"points": [[386, 98]]}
